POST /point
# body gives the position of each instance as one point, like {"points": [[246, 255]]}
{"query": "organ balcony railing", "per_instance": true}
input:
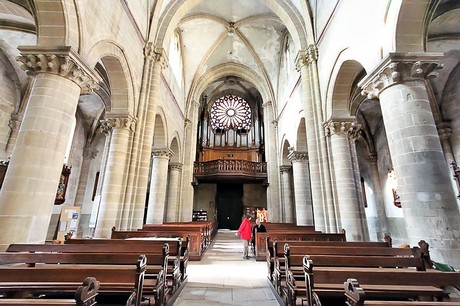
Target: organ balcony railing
{"points": [[230, 169]]}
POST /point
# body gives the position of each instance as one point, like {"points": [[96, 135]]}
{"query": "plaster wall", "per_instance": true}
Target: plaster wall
{"points": [[99, 24], [289, 118], [254, 195], [205, 199], [354, 30], [173, 108]]}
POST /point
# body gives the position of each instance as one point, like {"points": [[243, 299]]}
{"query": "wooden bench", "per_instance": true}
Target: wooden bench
{"points": [[356, 296], [208, 229], [85, 295], [290, 235], [341, 253], [195, 249], [379, 283], [126, 281], [274, 252], [178, 250], [103, 254]]}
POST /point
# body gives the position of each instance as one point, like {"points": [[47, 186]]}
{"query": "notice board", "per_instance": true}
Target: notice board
{"points": [[68, 222]]}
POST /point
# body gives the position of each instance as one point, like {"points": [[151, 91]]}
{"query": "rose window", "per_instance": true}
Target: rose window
{"points": [[230, 112]]}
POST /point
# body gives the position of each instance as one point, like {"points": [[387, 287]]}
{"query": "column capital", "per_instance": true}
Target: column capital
{"points": [[15, 121], [285, 168], [267, 104], [175, 166], [162, 153], [342, 126], [187, 123], [397, 68], [119, 121], [155, 54], [372, 158], [90, 153], [306, 56], [444, 130], [297, 156], [61, 61]]}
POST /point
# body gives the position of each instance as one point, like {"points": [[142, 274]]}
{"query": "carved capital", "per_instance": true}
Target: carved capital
{"points": [[267, 104], [306, 56], [61, 61], [118, 122], [175, 166], [342, 126], [372, 158], [90, 153], [398, 68], [15, 122], [444, 130], [297, 156], [162, 153], [285, 168], [157, 55], [187, 123]]}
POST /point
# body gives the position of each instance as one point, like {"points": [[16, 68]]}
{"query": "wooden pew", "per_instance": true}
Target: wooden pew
{"points": [[356, 296], [379, 283], [17, 281], [353, 254], [178, 251], [290, 235], [165, 278], [207, 230], [85, 295], [195, 249], [275, 253]]}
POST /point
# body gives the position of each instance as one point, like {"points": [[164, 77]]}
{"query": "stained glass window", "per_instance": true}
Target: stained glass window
{"points": [[230, 112]]}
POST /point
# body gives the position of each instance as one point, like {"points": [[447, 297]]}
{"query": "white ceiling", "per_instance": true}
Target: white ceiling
{"points": [[256, 43]]}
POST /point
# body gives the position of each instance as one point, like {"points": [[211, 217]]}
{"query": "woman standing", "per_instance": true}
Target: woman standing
{"points": [[245, 232]]}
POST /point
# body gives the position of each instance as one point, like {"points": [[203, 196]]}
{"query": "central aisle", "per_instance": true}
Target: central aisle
{"points": [[222, 277]]}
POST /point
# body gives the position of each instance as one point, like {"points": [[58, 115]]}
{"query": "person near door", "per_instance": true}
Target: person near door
{"points": [[245, 233], [258, 228]]}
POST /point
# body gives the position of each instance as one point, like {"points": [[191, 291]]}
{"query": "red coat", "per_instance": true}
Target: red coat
{"points": [[245, 231]]}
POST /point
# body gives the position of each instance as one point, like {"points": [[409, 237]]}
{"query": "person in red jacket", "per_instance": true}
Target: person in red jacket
{"points": [[245, 233]]}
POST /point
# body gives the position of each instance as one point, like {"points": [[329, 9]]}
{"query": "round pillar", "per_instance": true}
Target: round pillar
{"points": [[424, 180]]}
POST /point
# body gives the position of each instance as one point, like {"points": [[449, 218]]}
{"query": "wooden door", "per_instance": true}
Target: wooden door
{"points": [[229, 200]]}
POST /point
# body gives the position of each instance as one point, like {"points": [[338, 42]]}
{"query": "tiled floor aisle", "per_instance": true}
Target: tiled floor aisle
{"points": [[222, 277]]}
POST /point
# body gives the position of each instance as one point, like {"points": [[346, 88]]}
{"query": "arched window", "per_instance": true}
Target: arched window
{"points": [[230, 112]]}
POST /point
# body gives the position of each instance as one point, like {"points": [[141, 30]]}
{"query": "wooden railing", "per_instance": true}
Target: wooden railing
{"points": [[228, 168]]}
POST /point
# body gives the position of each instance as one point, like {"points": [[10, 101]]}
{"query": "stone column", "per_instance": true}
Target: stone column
{"points": [[273, 194], [186, 200], [424, 180], [89, 154], [172, 208], [286, 198], [155, 61], [115, 177], [445, 131], [29, 189], [382, 226], [158, 182], [339, 130], [302, 189], [304, 62]]}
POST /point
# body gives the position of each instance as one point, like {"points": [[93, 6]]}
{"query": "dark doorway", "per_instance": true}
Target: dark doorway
{"points": [[229, 202]]}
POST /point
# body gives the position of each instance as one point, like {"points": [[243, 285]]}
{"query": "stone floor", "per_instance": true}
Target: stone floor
{"points": [[222, 277]]}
